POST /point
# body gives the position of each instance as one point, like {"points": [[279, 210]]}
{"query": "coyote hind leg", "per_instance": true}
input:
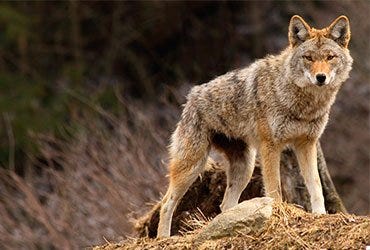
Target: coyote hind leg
{"points": [[241, 157], [239, 174], [188, 160]]}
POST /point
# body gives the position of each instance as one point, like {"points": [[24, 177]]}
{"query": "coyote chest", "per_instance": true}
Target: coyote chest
{"points": [[300, 116], [286, 128]]}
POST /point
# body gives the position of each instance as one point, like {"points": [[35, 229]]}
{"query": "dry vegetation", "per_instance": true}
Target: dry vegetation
{"points": [[87, 186], [288, 228]]}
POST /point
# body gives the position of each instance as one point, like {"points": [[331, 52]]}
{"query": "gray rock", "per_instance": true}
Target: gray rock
{"points": [[244, 218]]}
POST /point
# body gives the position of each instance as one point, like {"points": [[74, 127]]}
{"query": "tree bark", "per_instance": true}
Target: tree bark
{"points": [[206, 194]]}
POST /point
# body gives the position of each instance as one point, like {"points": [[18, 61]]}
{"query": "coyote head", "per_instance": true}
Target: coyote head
{"points": [[320, 56]]}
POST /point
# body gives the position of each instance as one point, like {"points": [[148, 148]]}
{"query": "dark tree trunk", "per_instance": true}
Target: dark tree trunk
{"points": [[207, 192]]}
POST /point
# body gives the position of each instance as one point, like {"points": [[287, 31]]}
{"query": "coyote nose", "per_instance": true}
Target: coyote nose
{"points": [[320, 78]]}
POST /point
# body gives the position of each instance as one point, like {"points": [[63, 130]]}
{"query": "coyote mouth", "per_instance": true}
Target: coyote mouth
{"points": [[320, 84]]}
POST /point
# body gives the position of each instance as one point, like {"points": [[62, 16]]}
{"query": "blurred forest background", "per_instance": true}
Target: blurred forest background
{"points": [[90, 92]]}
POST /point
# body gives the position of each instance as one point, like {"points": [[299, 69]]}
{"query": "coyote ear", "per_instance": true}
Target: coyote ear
{"points": [[339, 31], [298, 30]]}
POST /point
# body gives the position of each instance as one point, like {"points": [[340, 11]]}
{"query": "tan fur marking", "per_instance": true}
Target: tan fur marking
{"points": [[320, 67]]}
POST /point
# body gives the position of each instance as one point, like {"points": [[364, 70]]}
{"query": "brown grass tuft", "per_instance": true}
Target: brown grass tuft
{"points": [[289, 228], [293, 227]]}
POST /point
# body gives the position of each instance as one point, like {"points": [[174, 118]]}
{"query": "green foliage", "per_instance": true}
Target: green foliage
{"points": [[36, 107], [15, 23], [31, 107]]}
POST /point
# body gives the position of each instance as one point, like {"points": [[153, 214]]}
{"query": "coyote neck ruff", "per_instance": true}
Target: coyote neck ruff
{"points": [[277, 101]]}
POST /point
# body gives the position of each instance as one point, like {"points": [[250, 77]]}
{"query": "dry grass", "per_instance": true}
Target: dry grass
{"points": [[86, 187], [288, 228]]}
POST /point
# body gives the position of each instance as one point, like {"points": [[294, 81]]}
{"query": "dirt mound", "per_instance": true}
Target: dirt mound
{"points": [[289, 227], [206, 194]]}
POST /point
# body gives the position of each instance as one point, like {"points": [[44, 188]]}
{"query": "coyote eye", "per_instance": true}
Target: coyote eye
{"points": [[330, 57], [308, 58]]}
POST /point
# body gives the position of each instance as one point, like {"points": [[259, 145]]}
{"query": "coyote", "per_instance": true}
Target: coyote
{"points": [[279, 101]]}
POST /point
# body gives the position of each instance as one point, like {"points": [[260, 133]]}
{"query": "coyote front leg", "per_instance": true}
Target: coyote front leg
{"points": [[270, 157], [307, 160]]}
